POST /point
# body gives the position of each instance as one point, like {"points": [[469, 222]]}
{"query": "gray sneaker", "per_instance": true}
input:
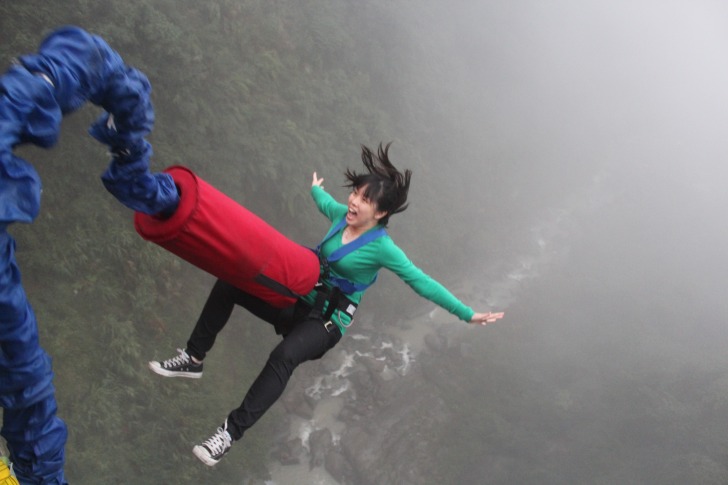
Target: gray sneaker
{"points": [[179, 366], [211, 450]]}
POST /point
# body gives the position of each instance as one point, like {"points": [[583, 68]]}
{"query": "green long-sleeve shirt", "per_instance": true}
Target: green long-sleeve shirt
{"points": [[361, 265]]}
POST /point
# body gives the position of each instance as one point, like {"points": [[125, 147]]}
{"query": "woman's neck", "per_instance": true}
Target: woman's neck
{"points": [[352, 232]]}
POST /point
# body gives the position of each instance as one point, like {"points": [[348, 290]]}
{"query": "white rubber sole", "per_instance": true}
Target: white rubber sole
{"points": [[203, 456], [157, 369]]}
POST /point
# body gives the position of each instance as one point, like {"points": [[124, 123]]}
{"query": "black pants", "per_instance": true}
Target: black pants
{"points": [[304, 338]]}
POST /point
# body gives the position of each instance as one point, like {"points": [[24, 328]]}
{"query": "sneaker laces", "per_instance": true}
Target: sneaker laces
{"points": [[219, 442], [181, 359]]}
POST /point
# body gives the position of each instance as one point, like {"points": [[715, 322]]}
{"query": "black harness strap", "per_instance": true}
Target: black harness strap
{"points": [[337, 301], [275, 286]]}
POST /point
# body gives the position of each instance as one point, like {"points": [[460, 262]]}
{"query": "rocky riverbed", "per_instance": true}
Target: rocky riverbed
{"points": [[368, 411]]}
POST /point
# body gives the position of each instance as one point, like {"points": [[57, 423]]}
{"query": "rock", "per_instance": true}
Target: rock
{"points": [[289, 452], [333, 361], [298, 404], [361, 381], [374, 366], [359, 452], [386, 390], [320, 443], [338, 467]]}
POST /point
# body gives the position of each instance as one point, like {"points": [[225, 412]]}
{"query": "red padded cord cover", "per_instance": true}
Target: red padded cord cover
{"points": [[218, 235]]}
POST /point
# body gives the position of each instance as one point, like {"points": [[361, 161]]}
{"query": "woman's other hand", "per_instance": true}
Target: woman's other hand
{"points": [[317, 182], [486, 318]]}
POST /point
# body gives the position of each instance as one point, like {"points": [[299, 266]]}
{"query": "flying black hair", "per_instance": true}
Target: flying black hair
{"points": [[386, 186]]}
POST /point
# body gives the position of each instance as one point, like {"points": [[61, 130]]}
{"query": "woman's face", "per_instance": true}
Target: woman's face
{"points": [[363, 213]]}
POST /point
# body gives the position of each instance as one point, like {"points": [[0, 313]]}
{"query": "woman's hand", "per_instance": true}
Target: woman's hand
{"points": [[486, 318], [317, 182]]}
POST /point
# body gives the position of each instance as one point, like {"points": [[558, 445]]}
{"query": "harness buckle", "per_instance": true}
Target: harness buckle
{"points": [[329, 326], [325, 269]]}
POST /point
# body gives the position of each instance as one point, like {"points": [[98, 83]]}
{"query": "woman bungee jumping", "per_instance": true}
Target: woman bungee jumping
{"points": [[356, 246]]}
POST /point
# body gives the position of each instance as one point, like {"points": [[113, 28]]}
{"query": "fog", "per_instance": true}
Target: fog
{"points": [[613, 116], [599, 127], [609, 114], [592, 132], [569, 169]]}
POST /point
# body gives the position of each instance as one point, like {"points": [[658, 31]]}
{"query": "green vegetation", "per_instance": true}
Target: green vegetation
{"points": [[254, 95]]}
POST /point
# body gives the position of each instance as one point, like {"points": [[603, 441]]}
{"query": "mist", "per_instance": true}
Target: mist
{"points": [[599, 128], [569, 169]]}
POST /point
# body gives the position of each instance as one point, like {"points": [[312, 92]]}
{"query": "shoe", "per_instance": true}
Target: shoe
{"points": [[179, 366], [210, 451]]}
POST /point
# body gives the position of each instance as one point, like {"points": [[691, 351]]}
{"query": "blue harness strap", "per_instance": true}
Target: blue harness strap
{"points": [[334, 229], [346, 286]]}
